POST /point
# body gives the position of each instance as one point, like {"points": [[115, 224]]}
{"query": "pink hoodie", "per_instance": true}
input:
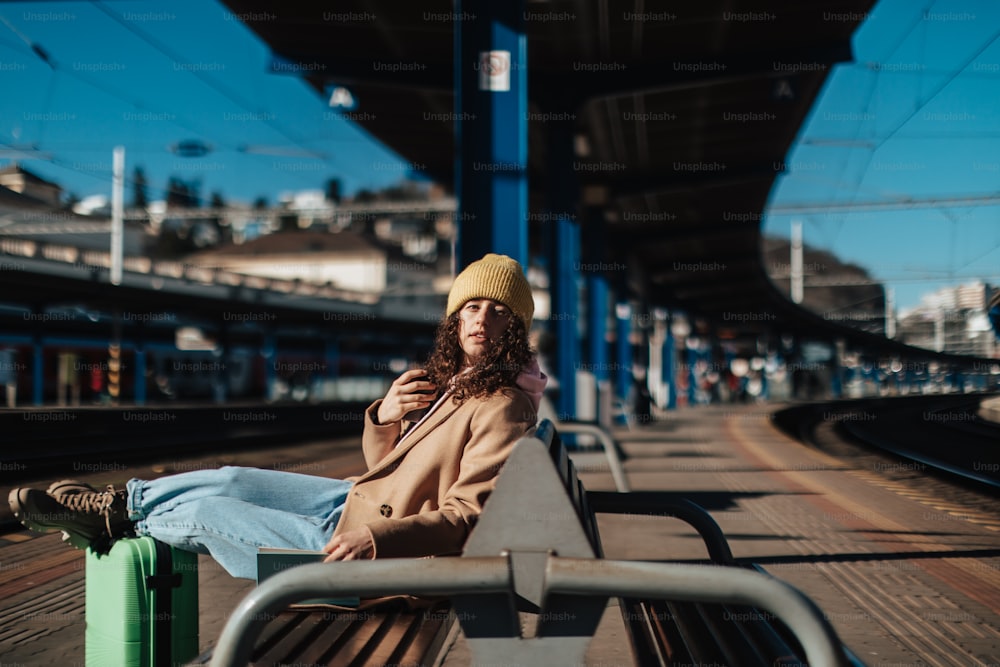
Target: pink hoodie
{"points": [[532, 381]]}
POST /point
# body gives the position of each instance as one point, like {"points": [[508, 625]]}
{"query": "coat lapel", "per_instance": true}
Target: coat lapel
{"points": [[416, 434]]}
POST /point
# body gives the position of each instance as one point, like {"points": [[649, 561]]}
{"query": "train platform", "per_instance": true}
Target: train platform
{"points": [[907, 574]]}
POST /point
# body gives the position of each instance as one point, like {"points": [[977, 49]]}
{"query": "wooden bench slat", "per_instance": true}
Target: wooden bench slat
{"points": [[336, 633], [423, 638], [396, 639], [275, 633], [292, 634], [354, 651]]}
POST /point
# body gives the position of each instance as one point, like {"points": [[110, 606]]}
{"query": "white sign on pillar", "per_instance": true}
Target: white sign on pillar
{"points": [[494, 70]]}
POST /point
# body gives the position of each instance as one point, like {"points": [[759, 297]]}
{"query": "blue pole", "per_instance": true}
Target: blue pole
{"points": [[140, 374], [38, 372], [564, 250], [669, 370], [593, 249], [623, 367], [491, 100], [597, 319], [692, 360], [332, 355], [269, 352]]}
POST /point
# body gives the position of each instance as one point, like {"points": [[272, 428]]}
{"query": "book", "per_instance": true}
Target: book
{"points": [[271, 560]]}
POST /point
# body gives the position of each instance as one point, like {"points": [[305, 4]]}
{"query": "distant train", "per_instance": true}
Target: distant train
{"points": [[88, 370]]}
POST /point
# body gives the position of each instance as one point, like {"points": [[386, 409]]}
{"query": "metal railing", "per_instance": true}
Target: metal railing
{"points": [[563, 576]]}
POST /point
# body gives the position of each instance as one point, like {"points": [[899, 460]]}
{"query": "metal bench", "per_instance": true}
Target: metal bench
{"points": [[389, 634], [536, 550], [594, 430]]}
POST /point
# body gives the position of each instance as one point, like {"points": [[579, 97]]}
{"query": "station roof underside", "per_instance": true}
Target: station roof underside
{"points": [[684, 113]]}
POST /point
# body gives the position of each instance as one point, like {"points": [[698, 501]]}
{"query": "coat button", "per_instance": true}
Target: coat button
{"points": [[385, 510]]}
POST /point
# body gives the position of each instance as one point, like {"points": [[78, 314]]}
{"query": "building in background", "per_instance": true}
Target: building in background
{"points": [[18, 179], [952, 320]]}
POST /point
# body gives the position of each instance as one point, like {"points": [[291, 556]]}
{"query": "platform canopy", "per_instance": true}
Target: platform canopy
{"points": [[682, 114]]}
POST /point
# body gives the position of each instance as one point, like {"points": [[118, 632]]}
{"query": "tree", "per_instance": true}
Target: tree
{"points": [[217, 233], [183, 194], [70, 200], [333, 190], [177, 193], [364, 196], [139, 184]]}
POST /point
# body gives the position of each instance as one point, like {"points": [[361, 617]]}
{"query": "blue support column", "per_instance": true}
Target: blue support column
{"points": [[669, 371], [491, 130], [692, 361], [837, 371], [38, 372], [332, 358], [593, 253], [623, 347], [564, 253], [597, 320], [269, 351], [764, 387], [331, 369], [140, 374]]}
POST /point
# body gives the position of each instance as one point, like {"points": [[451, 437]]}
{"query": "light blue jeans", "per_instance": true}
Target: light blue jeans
{"points": [[229, 512]]}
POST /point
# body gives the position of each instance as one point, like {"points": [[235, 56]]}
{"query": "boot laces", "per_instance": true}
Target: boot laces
{"points": [[97, 502], [101, 503]]}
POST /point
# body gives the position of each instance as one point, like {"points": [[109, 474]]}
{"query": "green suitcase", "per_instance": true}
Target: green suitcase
{"points": [[141, 605]]}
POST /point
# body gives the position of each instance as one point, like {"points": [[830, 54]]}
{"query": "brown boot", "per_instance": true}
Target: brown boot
{"points": [[69, 486], [87, 518]]}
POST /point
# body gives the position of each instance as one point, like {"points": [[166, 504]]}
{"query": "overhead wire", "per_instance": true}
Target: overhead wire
{"points": [[213, 83], [37, 50], [925, 99], [56, 68]]}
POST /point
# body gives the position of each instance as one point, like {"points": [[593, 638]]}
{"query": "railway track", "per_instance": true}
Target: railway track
{"points": [[933, 446], [941, 434]]}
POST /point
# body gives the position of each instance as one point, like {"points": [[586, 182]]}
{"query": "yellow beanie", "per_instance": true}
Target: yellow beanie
{"points": [[496, 277]]}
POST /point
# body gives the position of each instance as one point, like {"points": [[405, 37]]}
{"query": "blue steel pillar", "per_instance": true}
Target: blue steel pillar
{"points": [[597, 348], [269, 350], [331, 355], [563, 251], [593, 253], [38, 371], [491, 99], [692, 361], [623, 347], [669, 368], [140, 373]]}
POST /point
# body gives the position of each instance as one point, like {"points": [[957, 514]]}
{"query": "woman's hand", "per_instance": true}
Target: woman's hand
{"points": [[354, 544], [404, 395]]}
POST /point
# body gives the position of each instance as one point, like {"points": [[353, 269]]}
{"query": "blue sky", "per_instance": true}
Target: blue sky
{"points": [[147, 75], [916, 116]]}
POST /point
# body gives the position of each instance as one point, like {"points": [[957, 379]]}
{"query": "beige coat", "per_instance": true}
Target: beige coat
{"points": [[423, 497]]}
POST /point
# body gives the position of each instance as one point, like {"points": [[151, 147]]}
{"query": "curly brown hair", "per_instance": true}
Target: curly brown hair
{"points": [[496, 368]]}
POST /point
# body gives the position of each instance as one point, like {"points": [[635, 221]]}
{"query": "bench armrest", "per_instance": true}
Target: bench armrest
{"points": [[666, 504], [702, 583], [429, 577], [608, 444]]}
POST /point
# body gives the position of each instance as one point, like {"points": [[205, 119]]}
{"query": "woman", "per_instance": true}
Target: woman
{"points": [[428, 475]]}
